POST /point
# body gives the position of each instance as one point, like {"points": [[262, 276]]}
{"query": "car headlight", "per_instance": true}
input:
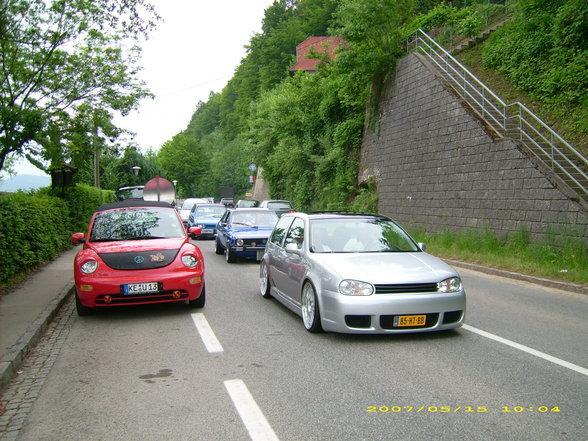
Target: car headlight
{"points": [[89, 267], [239, 242], [355, 288], [450, 285], [189, 261]]}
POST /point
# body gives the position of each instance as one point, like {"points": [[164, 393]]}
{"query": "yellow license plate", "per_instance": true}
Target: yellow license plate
{"points": [[409, 320]]}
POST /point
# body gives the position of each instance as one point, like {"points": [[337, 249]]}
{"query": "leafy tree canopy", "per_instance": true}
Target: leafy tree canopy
{"points": [[64, 63]]}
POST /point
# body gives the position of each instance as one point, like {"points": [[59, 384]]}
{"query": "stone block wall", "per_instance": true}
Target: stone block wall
{"points": [[438, 167]]}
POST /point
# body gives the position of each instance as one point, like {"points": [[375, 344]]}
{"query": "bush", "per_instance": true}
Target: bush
{"points": [[36, 226]]}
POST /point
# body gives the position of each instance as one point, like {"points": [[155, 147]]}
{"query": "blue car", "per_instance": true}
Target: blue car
{"points": [[243, 232], [206, 216]]}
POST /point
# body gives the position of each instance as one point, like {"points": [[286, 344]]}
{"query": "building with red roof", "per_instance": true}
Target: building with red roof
{"points": [[327, 45]]}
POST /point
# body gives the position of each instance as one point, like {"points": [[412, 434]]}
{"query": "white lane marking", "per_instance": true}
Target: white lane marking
{"points": [[252, 416], [527, 349], [206, 334]]}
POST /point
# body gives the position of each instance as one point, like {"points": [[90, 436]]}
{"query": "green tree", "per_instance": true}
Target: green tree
{"points": [[183, 159], [60, 58]]}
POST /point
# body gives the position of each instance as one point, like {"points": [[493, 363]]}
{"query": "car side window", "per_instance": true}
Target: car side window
{"points": [[279, 232], [296, 233]]}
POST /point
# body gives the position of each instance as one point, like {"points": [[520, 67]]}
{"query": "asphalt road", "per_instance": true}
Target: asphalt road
{"points": [[158, 373]]}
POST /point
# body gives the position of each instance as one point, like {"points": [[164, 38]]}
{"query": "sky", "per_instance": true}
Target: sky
{"points": [[193, 52]]}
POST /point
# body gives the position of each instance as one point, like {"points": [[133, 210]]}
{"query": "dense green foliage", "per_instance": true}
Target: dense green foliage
{"points": [[34, 228], [66, 67]]}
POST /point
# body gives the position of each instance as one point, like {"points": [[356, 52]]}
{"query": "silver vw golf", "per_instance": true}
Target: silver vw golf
{"points": [[358, 273]]}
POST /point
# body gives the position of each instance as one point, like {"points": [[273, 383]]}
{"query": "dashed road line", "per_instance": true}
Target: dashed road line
{"points": [[206, 334], [527, 349], [251, 415]]}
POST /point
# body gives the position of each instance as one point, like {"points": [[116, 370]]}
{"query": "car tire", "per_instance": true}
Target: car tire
{"points": [[218, 249], [200, 301], [81, 309], [311, 316], [264, 281], [230, 255]]}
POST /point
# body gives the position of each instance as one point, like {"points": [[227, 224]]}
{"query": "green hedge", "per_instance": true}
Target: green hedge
{"points": [[35, 227]]}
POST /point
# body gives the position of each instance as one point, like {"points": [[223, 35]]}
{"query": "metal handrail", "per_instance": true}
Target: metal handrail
{"points": [[529, 128]]}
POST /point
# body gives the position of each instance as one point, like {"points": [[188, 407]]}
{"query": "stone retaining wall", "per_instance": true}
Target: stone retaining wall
{"points": [[437, 166]]}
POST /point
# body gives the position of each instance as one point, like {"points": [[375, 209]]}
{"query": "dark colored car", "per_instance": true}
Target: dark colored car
{"points": [[227, 202], [137, 252], [243, 232]]}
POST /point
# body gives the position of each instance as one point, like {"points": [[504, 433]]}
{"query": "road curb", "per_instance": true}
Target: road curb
{"points": [[572, 287], [14, 357]]}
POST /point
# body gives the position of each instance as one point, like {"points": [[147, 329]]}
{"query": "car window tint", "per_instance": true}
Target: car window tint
{"points": [[296, 233], [279, 232], [135, 224]]}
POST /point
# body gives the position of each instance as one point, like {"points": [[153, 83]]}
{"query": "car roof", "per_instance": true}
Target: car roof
{"points": [[339, 215], [250, 210], [130, 203]]}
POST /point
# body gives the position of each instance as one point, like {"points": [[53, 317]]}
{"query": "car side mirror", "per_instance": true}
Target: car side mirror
{"points": [[78, 238], [422, 246], [195, 232]]}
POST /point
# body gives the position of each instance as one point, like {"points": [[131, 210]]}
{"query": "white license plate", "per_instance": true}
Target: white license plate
{"points": [[260, 254], [207, 231], [140, 288]]}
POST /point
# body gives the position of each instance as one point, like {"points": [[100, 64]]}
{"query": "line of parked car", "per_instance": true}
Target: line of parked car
{"points": [[339, 271]]}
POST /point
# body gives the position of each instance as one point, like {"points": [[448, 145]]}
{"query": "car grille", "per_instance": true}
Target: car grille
{"points": [[254, 242], [139, 260], [405, 288]]}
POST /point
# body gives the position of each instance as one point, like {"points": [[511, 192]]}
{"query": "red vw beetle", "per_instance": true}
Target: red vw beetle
{"points": [[137, 252]]}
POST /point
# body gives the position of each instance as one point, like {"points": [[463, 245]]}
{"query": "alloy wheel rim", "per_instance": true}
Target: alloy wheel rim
{"points": [[263, 280], [308, 307]]}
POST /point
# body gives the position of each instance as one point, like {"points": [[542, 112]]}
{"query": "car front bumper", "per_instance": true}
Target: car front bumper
{"points": [[106, 291], [376, 314]]}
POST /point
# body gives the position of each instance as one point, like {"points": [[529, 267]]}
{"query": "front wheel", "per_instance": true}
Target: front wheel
{"points": [[81, 309], [264, 281], [199, 302], [230, 255], [310, 309], [218, 249]]}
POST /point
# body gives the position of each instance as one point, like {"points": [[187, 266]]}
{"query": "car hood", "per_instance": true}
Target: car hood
{"points": [[207, 220], [253, 232], [130, 246], [387, 268]]}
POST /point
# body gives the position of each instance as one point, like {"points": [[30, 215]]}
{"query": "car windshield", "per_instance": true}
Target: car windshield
{"points": [[359, 236], [136, 224], [210, 211], [254, 219]]}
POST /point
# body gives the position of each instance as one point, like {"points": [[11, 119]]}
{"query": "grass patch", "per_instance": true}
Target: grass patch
{"points": [[570, 122], [558, 257]]}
